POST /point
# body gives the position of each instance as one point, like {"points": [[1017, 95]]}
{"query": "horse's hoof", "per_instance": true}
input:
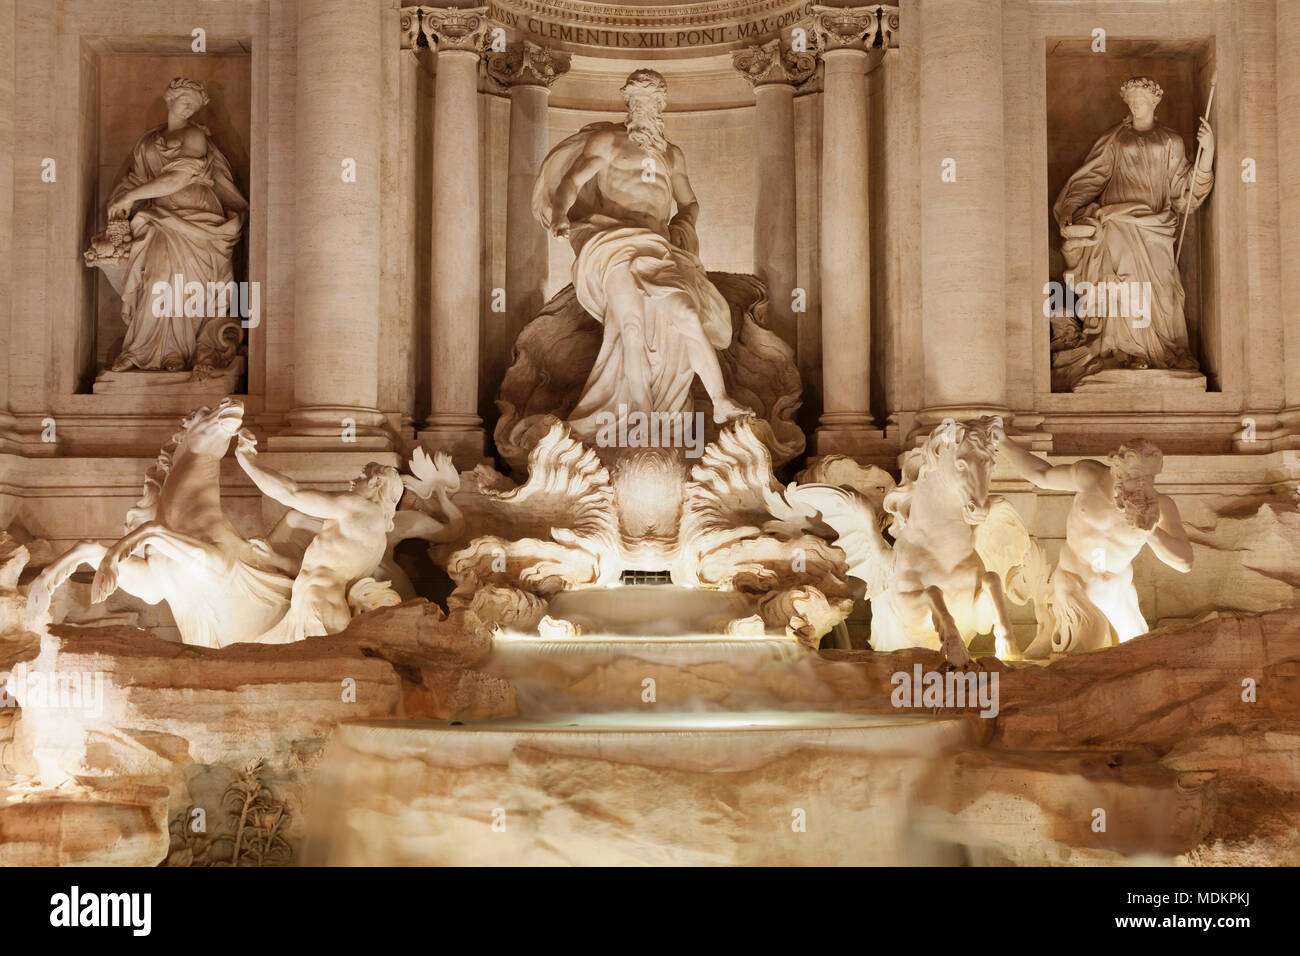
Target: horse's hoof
{"points": [[105, 584], [956, 654]]}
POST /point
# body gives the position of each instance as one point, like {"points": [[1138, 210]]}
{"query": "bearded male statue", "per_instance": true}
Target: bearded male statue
{"points": [[1116, 512], [610, 190]]}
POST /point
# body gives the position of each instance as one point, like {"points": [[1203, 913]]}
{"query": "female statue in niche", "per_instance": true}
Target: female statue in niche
{"points": [[176, 212], [1119, 215]]}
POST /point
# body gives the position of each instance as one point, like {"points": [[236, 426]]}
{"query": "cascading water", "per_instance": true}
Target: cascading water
{"points": [[642, 749]]}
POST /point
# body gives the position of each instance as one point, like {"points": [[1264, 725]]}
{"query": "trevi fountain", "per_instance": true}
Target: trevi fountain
{"points": [[731, 432]]}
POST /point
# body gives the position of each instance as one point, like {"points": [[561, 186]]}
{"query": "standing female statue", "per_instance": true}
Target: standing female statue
{"points": [[185, 217]]}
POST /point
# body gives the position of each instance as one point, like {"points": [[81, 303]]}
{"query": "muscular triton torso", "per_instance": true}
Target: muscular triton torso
{"points": [[630, 186], [1098, 533]]}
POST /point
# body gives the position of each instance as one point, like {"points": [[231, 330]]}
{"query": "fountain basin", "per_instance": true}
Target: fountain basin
{"points": [[756, 788]]}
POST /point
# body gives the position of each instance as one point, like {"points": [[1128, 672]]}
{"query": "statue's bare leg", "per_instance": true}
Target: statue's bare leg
{"points": [[680, 309], [628, 303]]}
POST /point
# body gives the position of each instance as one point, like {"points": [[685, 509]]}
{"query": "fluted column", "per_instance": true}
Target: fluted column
{"points": [[774, 71], [337, 230], [527, 70], [454, 425], [963, 237], [846, 36]]}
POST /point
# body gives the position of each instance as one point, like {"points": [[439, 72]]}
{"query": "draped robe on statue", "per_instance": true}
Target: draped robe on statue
{"points": [[1132, 188], [192, 233], [643, 364]]}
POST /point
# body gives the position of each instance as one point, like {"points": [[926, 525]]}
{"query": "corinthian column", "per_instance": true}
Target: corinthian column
{"points": [[963, 240], [337, 234], [527, 70], [454, 425], [846, 36], [774, 72]]}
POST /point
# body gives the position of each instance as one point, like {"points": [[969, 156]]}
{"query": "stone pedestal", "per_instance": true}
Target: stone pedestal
{"points": [[212, 386], [1146, 379]]}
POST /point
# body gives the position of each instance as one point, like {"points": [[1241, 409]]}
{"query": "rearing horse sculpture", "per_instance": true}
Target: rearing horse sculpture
{"points": [[932, 588], [181, 547]]}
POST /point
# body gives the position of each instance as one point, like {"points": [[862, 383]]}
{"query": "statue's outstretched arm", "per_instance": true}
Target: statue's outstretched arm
{"points": [[1039, 472], [178, 174], [1169, 540], [282, 488]]}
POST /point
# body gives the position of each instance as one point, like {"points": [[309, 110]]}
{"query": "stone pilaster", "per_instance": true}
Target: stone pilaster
{"points": [[774, 71], [963, 235], [337, 232]]}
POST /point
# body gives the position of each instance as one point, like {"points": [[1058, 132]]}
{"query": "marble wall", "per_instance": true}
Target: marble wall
{"points": [[79, 80]]}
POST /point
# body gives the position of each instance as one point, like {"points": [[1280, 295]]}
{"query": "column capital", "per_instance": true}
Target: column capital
{"points": [[855, 28], [445, 28], [774, 62], [524, 63], [410, 25]]}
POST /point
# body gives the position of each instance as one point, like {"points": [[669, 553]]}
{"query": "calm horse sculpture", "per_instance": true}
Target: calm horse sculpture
{"points": [[181, 547], [932, 588]]}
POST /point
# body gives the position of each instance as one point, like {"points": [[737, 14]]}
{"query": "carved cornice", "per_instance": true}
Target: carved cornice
{"points": [[602, 15], [774, 62], [603, 28], [855, 28], [524, 63], [445, 28]]}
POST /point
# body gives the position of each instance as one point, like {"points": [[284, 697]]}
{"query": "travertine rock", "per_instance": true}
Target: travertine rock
{"points": [[186, 719]]}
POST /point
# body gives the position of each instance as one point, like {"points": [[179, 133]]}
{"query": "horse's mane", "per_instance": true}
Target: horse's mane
{"points": [[146, 509], [984, 433]]}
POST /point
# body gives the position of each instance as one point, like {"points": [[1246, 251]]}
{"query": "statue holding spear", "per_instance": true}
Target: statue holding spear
{"points": [[1121, 217]]}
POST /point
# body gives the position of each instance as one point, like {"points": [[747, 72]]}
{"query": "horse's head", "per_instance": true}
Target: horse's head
{"points": [[208, 431], [957, 457], [971, 448]]}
